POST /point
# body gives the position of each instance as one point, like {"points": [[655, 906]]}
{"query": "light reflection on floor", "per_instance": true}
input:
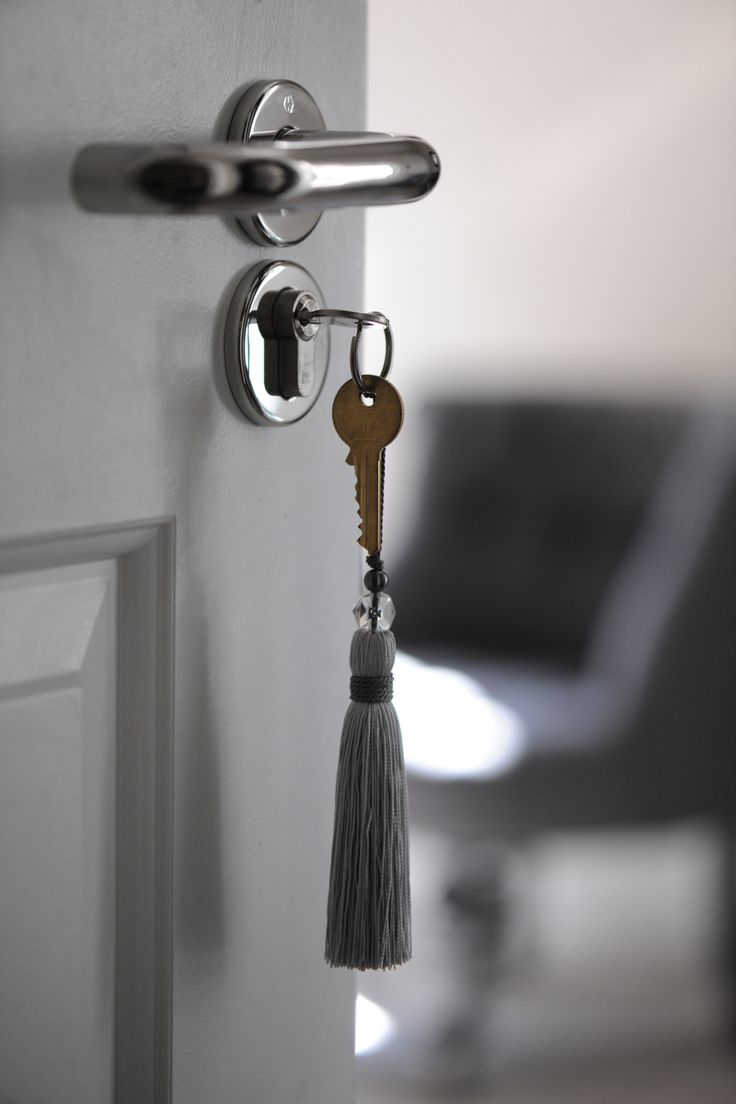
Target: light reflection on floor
{"points": [[374, 1026]]}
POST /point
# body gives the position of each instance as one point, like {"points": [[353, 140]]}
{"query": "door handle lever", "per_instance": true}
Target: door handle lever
{"points": [[276, 172]]}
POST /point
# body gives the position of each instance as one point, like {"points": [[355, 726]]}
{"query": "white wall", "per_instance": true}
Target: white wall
{"points": [[583, 234]]}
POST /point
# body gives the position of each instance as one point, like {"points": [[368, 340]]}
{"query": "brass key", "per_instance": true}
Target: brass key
{"points": [[367, 429]]}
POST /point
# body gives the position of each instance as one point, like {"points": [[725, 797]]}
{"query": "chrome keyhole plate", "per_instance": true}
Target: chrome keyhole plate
{"points": [[245, 345], [268, 109]]}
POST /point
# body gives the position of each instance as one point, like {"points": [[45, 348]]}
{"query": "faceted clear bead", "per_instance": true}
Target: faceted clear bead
{"points": [[375, 611]]}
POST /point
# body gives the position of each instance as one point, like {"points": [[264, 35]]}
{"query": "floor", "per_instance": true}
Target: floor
{"points": [[695, 1079], [608, 990]]}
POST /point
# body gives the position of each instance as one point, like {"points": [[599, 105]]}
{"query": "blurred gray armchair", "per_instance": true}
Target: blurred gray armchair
{"points": [[578, 560]]}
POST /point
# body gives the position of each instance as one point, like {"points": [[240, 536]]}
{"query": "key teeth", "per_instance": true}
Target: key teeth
{"points": [[349, 460], [361, 538]]}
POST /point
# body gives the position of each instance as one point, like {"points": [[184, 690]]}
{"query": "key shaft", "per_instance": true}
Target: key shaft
{"points": [[368, 467]]}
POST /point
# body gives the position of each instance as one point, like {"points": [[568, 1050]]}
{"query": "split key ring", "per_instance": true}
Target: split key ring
{"points": [[360, 320]]}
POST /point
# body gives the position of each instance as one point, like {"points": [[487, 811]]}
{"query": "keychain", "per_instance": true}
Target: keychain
{"points": [[368, 911]]}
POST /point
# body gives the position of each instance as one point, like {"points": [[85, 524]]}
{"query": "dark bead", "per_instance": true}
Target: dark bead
{"points": [[375, 581]]}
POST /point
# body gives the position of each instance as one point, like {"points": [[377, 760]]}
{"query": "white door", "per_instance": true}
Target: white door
{"points": [[175, 588]]}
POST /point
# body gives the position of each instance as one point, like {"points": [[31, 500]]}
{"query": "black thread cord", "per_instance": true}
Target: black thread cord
{"points": [[371, 689], [375, 564]]}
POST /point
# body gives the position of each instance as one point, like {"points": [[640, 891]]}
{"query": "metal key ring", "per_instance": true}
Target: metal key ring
{"points": [[354, 361], [359, 319], [344, 317]]}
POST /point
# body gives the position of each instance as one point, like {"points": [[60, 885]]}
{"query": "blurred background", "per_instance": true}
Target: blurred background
{"points": [[561, 536]]}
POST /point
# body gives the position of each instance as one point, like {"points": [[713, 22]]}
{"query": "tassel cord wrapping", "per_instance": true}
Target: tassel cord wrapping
{"points": [[371, 688]]}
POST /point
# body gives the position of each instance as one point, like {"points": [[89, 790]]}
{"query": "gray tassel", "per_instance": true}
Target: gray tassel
{"points": [[368, 910]]}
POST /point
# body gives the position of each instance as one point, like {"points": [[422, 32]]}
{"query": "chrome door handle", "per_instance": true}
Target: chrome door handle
{"points": [[299, 171], [276, 172]]}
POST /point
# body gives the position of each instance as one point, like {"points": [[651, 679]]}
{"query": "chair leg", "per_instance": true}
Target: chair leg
{"points": [[729, 927], [476, 902]]}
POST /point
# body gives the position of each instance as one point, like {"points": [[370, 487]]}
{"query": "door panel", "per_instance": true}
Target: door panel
{"points": [[57, 801], [116, 410], [85, 799]]}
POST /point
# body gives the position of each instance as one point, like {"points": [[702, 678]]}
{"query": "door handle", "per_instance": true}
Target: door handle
{"points": [[276, 172]]}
